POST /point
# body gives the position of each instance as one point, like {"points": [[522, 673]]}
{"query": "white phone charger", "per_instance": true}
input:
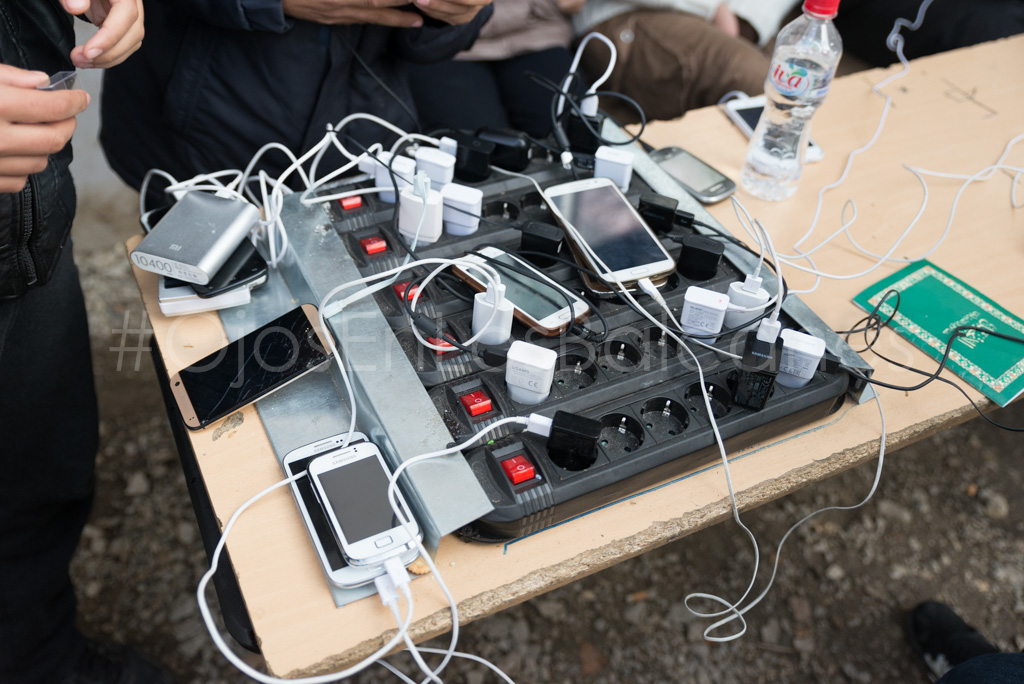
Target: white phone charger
{"points": [[746, 295], [801, 354], [404, 169], [615, 164], [703, 312], [462, 207], [498, 329], [438, 165], [411, 217], [529, 372]]}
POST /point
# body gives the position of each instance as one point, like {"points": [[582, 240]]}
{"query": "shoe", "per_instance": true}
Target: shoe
{"points": [[110, 663], [942, 638]]}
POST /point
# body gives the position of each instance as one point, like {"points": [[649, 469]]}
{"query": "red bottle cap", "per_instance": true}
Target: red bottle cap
{"points": [[825, 8]]}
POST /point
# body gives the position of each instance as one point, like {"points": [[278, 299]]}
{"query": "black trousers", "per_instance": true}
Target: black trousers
{"points": [[48, 442], [467, 95]]}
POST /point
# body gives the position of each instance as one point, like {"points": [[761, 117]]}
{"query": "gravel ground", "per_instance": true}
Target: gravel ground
{"points": [[946, 523]]}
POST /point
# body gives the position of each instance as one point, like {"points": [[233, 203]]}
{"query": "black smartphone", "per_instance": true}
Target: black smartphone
{"points": [[245, 266], [248, 369], [697, 177]]}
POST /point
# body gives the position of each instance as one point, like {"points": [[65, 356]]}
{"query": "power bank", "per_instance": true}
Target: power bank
{"points": [[195, 237]]}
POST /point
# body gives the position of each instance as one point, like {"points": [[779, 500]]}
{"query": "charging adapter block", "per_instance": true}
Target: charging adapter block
{"points": [[703, 312], [511, 148], [196, 237], [472, 158], [438, 165], [581, 139], [449, 145], [462, 207], [658, 211], [801, 354], [410, 211], [757, 372], [572, 443], [700, 257], [538, 236], [747, 295], [529, 372], [404, 168], [615, 164], [368, 164], [497, 330]]}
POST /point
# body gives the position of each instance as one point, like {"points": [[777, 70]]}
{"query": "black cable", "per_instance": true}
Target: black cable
{"points": [[559, 91], [402, 103]]}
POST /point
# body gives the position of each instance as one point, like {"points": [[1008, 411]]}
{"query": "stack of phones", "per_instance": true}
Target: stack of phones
{"points": [[344, 504]]}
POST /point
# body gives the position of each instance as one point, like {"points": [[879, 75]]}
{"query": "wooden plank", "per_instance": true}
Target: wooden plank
{"points": [[954, 113]]}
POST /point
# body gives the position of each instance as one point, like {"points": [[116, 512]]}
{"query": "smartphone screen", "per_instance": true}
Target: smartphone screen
{"points": [[691, 171], [357, 492], [750, 115], [608, 225], [251, 367], [321, 527], [534, 298]]}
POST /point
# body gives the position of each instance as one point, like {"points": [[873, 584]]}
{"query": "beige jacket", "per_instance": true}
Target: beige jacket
{"points": [[518, 27]]}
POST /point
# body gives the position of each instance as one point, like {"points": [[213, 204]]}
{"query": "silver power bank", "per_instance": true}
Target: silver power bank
{"points": [[195, 237]]}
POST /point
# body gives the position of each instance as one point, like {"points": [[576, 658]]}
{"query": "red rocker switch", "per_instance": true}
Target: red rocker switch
{"points": [[519, 469], [476, 403], [374, 245]]}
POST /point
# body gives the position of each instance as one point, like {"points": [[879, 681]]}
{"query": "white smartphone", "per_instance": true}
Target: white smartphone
{"points": [[700, 179], [546, 306], [595, 212], [177, 298], [352, 486], [745, 112], [328, 550]]}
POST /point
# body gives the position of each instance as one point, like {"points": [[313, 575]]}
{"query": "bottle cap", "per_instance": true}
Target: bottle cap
{"points": [[825, 8]]}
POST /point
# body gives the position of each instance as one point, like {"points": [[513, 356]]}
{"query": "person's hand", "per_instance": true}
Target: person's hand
{"points": [[726, 20], [120, 31], [353, 12], [33, 124], [454, 12]]}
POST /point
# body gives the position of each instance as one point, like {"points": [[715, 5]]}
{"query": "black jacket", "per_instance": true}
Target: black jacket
{"points": [[34, 224], [217, 79]]}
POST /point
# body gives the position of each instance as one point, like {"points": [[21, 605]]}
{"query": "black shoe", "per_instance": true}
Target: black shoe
{"points": [[110, 663], [942, 638]]}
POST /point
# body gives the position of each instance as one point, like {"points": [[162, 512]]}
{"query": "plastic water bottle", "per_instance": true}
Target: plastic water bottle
{"points": [[807, 52]]}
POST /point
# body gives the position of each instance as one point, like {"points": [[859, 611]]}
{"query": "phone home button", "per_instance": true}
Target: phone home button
{"points": [[382, 542], [638, 271]]}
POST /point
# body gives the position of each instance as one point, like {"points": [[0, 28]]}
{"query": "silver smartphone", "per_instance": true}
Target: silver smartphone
{"points": [[697, 177], [352, 486], [326, 545], [745, 113]]}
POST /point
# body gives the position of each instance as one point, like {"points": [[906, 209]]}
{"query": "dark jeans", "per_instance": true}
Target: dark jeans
{"points": [[467, 95], [995, 668], [948, 24], [48, 441]]}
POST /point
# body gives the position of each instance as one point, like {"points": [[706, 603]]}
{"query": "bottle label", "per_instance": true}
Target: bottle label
{"points": [[796, 78]]}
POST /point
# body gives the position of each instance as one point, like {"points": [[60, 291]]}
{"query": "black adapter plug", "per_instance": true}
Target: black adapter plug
{"points": [[700, 257], [581, 139], [511, 148], [758, 369], [472, 157], [538, 236], [572, 443], [658, 211]]}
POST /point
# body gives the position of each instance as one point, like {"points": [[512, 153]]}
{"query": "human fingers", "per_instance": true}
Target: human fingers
{"points": [[380, 16], [121, 32], [24, 105], [75, 6], [31, 140], [21, 78], [452, 11], [22, 166]]}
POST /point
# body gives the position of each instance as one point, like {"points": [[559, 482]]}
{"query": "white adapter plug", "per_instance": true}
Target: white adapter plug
{"points": [[615, 164], [438, 164], [801, 354], [747, 301], [498, 329], [422, 214], [529, 372], [703, 312], [449, 145], [404, 169], [462, 207]]}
